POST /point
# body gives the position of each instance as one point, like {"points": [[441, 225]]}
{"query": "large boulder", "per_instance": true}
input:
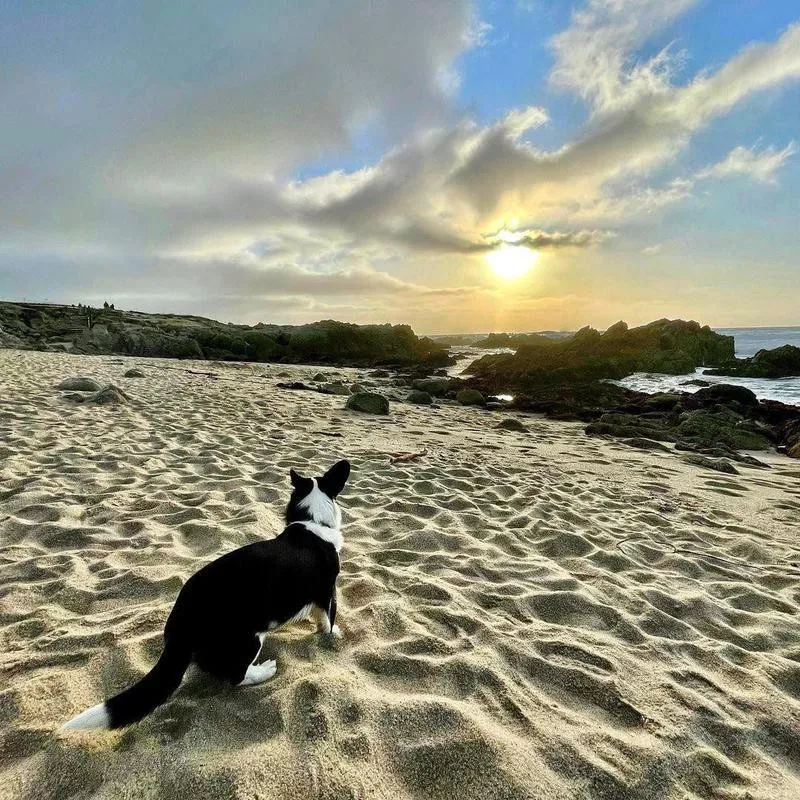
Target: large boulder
{"points": [[738, 397], [368, 403], [79, 383], [419, 398], [134, 373], [438, 387], [335, 387], [107, 396], [470, 397]]}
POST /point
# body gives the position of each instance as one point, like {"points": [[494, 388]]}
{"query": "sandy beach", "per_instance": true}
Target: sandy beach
{"points": [[533, 614]]}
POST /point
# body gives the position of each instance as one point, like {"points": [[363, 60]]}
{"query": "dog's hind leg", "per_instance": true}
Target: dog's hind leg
{"points": [[232, 658], [326, 617]]}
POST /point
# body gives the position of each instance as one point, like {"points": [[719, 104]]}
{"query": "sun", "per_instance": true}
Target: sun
{"points": [[509, 262]]}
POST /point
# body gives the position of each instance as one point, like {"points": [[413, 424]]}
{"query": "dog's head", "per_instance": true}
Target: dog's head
{"points": [[314, 499]]}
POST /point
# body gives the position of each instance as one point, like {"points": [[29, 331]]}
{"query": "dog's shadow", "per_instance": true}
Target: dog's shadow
{"points": [[245, 713]]}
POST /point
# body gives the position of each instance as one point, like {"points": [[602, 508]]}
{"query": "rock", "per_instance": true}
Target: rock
{"points": [[470, 397], [438, 387], [641, 443], [726, 427], [79, 384], [357, 387], [719, 465], [368, 403], [419, 398], [628, 426], [335, 387], [738, 397], [670, 346], [780, 362], [789, 438], [720, 452], [320, 377], [283, 374], [297, 386], [661, 402], [579, 402], [108, 396], [380, 373], [495, 405], [134, 373], [696, 382], [512, 424]]}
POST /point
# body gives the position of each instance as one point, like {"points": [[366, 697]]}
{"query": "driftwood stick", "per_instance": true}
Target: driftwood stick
{"points": [[205, 374], [395, 457]]}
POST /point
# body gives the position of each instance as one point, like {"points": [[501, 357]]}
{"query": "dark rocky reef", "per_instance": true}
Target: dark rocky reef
{"points": [[80, 329], [669, 346], [781, 362], [716, 421], [515, 340]]}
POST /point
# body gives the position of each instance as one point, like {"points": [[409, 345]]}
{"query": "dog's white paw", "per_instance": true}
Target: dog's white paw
{"points": [[337, 632], [258, 673]]}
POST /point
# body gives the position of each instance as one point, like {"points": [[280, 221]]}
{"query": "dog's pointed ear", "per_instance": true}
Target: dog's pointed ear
{"points": [[333, 481], [296, 478]]}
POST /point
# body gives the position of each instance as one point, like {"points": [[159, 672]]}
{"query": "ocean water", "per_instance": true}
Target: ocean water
{"points": [[747, 342]]}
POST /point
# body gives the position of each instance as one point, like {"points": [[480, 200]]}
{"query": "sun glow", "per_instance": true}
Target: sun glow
{"points": [[509, 262]]}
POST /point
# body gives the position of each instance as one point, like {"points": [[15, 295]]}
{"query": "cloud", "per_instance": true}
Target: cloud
{"points": [[760, 166], [172, 158], [557, 240], [594, 55], [652, 250], [245, 90]]}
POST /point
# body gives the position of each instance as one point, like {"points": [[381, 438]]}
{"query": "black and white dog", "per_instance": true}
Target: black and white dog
{"points": [[223, 612]]}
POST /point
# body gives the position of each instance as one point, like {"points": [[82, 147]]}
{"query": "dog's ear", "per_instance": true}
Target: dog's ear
{"points": [[333, 481], [298, 481]]}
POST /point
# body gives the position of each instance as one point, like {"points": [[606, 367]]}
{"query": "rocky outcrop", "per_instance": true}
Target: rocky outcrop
{"points": [[668, 346], [515, 340], [88, 330], [780, 362], [716, 421], [580, 402]]}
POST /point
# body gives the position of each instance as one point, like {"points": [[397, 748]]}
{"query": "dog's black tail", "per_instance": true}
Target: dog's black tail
{"points": [[145, 695]]}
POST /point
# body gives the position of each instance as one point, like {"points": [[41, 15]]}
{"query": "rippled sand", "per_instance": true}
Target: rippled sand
{"points": [[525, 615]]}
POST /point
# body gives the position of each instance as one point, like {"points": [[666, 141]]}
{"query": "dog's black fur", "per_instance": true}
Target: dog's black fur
{"points": [[222, 609]]}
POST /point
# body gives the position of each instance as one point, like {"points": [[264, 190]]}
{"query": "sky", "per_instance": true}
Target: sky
{"points": [[460, 166]]}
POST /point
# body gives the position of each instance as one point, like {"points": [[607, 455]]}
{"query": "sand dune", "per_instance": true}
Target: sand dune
{"points": [[525, 615]]}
